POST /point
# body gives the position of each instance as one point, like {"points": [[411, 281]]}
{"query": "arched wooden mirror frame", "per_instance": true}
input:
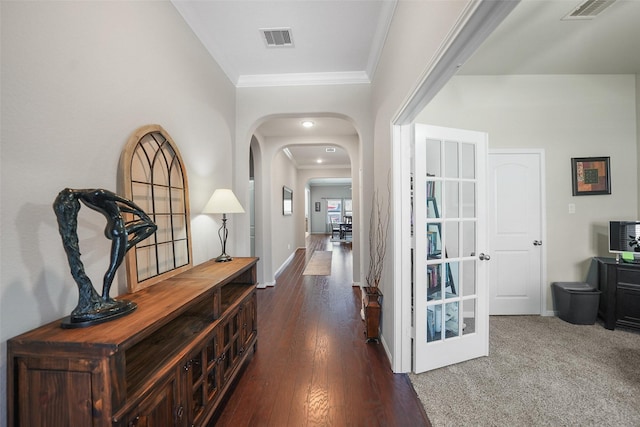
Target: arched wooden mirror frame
{"points": [[154, 177]]}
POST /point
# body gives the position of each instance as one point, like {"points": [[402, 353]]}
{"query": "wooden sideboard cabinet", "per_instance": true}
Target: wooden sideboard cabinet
{"points": [[168, 363], [619, 283]]}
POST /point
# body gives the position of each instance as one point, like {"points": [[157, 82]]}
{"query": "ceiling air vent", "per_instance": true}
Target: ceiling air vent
{"points": [[588, 9], [277, 37], [330, 149]]}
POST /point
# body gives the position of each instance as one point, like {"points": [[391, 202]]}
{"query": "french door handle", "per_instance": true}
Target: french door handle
{"points": [[484, 257], [537, 243]]}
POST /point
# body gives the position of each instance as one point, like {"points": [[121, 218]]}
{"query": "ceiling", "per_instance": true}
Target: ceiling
{"points": [[337, 41], [334, 41], [534, 39]]}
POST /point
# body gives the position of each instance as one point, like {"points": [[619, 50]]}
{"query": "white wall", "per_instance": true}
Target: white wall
{"points": [[77, 79], [568, 116], [283, 227]]}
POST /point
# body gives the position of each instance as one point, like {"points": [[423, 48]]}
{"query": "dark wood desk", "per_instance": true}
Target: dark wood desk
{"points": [[620, 287]]}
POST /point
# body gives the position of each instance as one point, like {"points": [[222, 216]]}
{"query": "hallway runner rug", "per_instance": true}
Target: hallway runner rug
{"points": [[319, 264]]}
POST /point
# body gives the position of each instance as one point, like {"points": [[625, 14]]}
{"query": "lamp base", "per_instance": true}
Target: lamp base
{"points": [[224, 258]]}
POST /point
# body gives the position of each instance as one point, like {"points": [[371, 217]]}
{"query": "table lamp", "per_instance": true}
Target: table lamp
{"points": [[223, 202]]}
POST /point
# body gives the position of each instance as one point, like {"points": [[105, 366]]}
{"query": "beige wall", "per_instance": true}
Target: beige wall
{"points": [[567, 116], [283, 227], [77, 79], [417, 31]]}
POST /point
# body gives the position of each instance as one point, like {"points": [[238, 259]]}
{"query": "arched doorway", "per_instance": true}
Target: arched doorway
{"points": [[288, 158]]}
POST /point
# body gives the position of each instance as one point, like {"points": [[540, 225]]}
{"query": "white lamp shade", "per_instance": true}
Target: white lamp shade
{"points": [[223, 201]]}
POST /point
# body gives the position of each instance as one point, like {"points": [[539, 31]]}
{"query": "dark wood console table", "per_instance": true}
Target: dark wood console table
{"points": [[619, 283], [169, 363]]}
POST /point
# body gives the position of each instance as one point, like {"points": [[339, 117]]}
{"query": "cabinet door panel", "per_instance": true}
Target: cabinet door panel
{"points": [[55, 392], [628, 305], [158, 410], [231, 330], [214, 354], [250, 325]]}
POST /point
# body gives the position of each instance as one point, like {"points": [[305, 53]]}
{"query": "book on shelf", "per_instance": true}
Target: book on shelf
{"points": [[432, 243], [433, 276]]}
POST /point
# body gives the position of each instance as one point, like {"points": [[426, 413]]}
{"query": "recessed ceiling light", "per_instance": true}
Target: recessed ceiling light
{"points": [[308, 124], [319, 161]]}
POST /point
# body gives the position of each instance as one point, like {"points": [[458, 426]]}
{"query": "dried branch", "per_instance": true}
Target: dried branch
{"points": [[378, 230]]}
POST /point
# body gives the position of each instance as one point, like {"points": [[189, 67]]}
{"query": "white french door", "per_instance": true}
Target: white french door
{"points": [[450, 296]]}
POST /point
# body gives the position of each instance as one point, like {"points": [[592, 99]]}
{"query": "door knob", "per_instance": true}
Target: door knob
{"points": [[537, 243], [484, 257]]}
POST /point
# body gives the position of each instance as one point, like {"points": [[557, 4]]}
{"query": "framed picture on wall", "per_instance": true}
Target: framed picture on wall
{"points": [[318, 207], [590, 176], [287, 201]]}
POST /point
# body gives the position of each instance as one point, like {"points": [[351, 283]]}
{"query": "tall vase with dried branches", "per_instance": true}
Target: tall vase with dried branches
{"points": [[371, 296]]}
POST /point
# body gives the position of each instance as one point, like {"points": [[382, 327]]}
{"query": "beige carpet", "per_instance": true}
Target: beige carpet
{"points": [[541, 371], [319, 264]]}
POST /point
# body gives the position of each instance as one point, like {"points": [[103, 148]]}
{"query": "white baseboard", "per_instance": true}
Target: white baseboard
{"points": [[284, 264], [386, 349], [355, 284]]}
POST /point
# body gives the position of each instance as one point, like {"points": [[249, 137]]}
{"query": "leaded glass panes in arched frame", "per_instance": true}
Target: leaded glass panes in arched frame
{"points": [[154, 178]]}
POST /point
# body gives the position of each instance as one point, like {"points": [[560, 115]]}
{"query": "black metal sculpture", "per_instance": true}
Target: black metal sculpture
{"points": [[93, 308]]}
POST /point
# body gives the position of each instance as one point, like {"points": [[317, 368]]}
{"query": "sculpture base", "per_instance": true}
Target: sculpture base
{"points": [[224, 258], [111, 311]]}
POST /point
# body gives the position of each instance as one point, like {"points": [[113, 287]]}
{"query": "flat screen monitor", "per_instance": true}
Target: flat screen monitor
{"points": [[623, 236]]}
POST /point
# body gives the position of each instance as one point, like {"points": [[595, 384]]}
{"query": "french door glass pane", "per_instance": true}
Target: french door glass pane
{"points": [[468, 200], [468, 277], [468, 161], [434, 199], [433, 157], [434, 282], [451, 319], [434, 323], [452, 279], [468, 238], [451, 159], [451, 239], [434, 242], [469, 316], [452, 204]]}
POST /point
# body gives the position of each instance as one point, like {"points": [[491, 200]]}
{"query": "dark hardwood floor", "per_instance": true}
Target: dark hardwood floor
{"points": [[312, 365]]}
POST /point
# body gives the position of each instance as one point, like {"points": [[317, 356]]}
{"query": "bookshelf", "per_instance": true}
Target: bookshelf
{"points": [[434, 250]]}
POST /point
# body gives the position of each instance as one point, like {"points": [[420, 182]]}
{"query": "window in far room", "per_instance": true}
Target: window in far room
{"points": [[348, 208], [334, 211]]}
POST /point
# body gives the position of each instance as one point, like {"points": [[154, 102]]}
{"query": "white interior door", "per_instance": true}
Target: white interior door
{"points": [[451, 313], [515, 232]]}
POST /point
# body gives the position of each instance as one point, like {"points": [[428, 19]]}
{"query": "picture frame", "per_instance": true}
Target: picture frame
{"points": [[287, 201], [590, 176], [318, 208]]}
